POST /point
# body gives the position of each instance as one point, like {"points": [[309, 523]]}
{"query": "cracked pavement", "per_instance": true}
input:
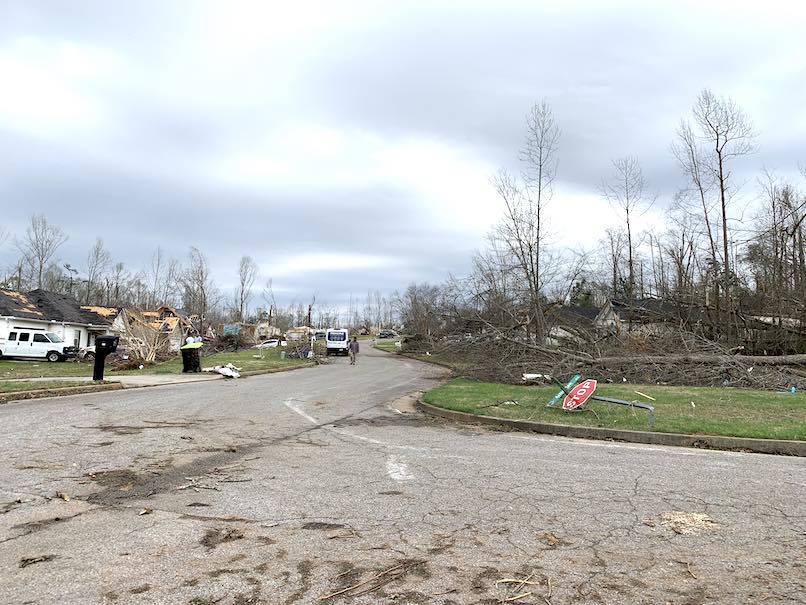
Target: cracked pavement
{"points": [[323, 485]]}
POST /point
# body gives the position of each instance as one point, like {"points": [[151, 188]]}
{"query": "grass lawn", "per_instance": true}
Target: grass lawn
{"points": [[35, 385], [269, 359], [387, 344], [243, 359], [43, 369], [715, 411]]}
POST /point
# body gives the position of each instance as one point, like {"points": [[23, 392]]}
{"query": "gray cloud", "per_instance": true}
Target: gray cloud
{"points": [[185, 108]]}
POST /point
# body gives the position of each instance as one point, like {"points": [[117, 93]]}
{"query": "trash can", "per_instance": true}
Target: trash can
{"points": [[104, 345], [191, 361]]}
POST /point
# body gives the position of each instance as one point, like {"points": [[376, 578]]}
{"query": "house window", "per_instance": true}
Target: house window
{"points": [[24, 337], [12, 336]]}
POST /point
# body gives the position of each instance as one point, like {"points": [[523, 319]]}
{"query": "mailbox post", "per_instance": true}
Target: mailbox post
{"points": [[104, 345]]}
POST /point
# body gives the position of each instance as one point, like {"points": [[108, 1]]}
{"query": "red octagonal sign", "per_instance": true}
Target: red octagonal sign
{"points": [[579, 395]]}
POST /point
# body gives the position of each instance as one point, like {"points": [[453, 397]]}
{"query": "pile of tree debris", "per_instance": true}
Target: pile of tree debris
{"points": [[682, 359]]}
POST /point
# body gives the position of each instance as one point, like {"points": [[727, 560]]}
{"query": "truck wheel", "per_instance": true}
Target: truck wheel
{"points": [[53, 356]]}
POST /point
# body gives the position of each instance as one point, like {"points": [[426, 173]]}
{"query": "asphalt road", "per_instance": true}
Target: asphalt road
{"points": [[323, 486]]}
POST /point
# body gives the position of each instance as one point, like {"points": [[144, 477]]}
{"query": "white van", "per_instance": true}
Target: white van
{"points": [[36, 343], [337, 342]]}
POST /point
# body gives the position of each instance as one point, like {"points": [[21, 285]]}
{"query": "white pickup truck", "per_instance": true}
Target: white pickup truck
{"points": [[39, 344]]}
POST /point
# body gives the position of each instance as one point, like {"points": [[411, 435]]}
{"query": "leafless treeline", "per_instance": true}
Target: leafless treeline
{"points": [[709, 256], [101, 281]]}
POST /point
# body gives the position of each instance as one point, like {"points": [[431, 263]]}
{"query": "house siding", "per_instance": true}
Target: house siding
{"points": [[69, 332]]}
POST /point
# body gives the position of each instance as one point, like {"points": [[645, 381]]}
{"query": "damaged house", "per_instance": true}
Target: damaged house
{"points": [[147, 333], [59, 313]]}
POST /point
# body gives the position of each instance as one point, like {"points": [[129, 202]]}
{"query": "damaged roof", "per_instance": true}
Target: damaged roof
{"points": [[42, 305], [109, 313]]}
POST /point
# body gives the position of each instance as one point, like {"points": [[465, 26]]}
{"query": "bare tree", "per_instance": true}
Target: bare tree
{"points": [[625, 192], [199, 293], [247, 271], [539, 157], [39, 245], [523, 226], [270, 300], [727, 131], [98, 262]]}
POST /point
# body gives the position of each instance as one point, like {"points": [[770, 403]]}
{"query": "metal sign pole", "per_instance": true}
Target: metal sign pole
{"points": [[565, 390]]}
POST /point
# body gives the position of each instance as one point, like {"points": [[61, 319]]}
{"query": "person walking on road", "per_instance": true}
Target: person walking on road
{"points": [[352, 348]]}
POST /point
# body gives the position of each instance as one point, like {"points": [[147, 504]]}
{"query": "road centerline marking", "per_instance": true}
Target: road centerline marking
{"points": [[300, 411]]}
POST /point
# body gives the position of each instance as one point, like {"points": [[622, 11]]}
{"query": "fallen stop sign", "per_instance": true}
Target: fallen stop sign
{"points": [[579, 395]]}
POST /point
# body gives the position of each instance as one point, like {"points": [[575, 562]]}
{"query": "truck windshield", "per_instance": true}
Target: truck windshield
{"points": [[54, 337]]}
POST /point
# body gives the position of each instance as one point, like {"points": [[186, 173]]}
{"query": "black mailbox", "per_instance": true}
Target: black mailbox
{"points": [[104, 345]]}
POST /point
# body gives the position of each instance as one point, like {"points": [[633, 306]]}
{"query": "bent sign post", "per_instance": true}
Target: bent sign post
{"points": [[579, 395], [563, 390]]}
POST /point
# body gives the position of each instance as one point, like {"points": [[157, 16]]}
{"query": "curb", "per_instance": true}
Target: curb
{"points": [[210, 376], [118, 386], [713, 442], [58, 392]]}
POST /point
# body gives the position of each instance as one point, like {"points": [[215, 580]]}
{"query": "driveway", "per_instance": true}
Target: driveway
{"points": [[322, 486]]}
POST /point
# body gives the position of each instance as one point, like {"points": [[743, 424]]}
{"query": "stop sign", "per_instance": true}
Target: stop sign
{"points": [[579, 395]]}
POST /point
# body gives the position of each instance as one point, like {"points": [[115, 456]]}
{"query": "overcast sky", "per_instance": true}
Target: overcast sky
{"points": [[349, 146]]}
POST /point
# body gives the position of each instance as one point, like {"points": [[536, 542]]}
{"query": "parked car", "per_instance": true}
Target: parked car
{"points": [[30, 342], [87, 353], [387, 334], [268, 344]]}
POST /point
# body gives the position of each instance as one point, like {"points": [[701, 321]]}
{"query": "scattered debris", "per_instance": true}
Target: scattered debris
{"points": [[644, 395], [377, 581], [527, 377], [351, 534], [517, 597], [25, 562], [321, 525], [516, 581], [227, 371], [63, 496], [551, 539], [688, 568], [146, 511], [196, 486]]}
